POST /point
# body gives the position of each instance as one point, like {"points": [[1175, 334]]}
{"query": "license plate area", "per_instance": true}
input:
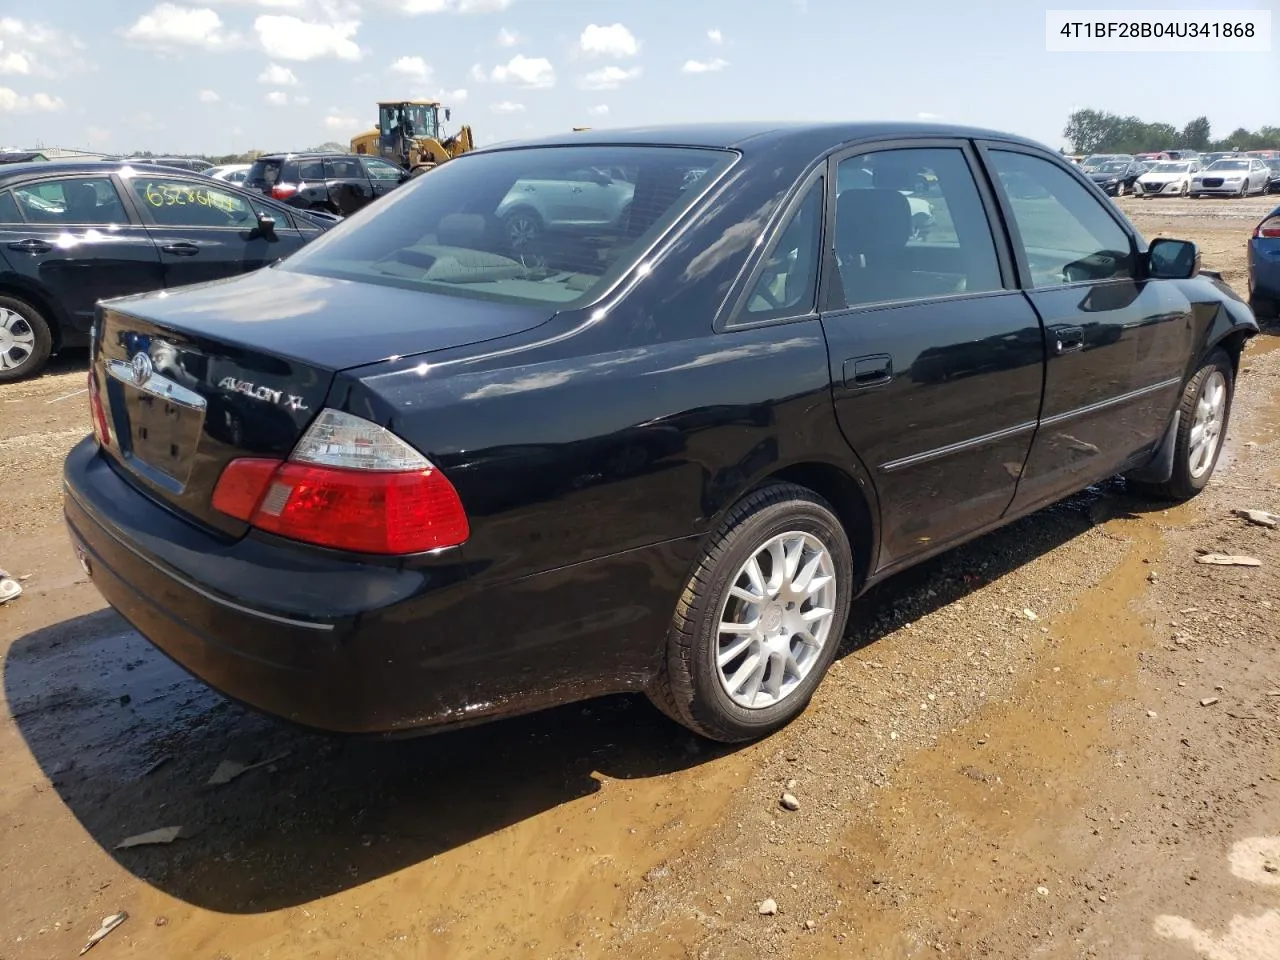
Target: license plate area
{"points": [[158, 422]]}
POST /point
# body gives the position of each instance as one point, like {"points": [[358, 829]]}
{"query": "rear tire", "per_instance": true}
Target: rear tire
{"points": [[1202, 427], [26, 340], [707, 674]]}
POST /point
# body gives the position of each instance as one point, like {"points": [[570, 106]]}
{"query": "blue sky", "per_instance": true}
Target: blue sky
{"points": [[222, 76]]}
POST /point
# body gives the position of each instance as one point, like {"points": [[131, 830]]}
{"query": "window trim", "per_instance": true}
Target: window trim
{"points": [[737, 316], [1137, 247], [996, 223], [149, 221], [22, 221], [129, 210]]}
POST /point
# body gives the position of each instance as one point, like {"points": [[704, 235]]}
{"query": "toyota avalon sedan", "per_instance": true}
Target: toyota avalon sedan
{"points": [[421, 475]]}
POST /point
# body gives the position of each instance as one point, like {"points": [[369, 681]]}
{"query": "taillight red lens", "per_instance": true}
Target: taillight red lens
{"points": [[358, 510], [283, 191], [101, 428], [1268, 228]]}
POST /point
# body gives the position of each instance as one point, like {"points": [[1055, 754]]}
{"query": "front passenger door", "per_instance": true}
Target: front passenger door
{"points": [[205, 232], [383, 177], [936, 360], [1118, 344]]}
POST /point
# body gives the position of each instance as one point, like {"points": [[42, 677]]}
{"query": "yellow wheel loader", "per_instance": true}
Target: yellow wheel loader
{"points": [[408, 133]]}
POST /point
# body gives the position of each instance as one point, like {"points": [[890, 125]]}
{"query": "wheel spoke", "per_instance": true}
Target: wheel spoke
{"points": [[744, 594], [817, 583], [815, 613], [731, 652], [793, 552], [777, 570], [804, 578], [756, 576], [776, 675], [808, 639], [736, 628]]}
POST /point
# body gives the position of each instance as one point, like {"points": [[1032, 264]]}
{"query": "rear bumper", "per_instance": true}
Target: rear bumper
{"points": [[287, 632], [1264, 267]]}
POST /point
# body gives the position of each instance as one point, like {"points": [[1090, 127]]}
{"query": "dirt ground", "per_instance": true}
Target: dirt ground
{"points": [[1061, 740]]}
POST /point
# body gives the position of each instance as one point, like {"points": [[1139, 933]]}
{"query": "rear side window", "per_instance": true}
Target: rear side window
{"points": [[311, 170], [267, 171], [82, 200], [9, 209], [1067, 234], [789, 280], [340, 168], [535, 225], [910, 225]]}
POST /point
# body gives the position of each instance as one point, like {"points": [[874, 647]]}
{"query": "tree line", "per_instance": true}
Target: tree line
{"points": [[247, 157], [1096, 131]]}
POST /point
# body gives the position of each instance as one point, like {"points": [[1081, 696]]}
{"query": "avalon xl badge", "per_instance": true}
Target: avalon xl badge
{"points": [[287, 400]]}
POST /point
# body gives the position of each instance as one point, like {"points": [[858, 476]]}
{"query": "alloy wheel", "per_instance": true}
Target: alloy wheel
{"points": [[1206, 427], [17, 339], [776, 619]]}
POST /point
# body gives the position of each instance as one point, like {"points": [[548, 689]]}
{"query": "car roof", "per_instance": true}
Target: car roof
{"points": [[17, 171], [758, 134], [305, 155]]}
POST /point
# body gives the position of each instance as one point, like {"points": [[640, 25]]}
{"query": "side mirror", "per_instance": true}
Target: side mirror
{"points": [[266, 224], [1172, 259]]}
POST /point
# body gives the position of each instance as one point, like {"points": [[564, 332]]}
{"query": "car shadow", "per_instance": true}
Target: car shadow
{"points": [[129, 741]]}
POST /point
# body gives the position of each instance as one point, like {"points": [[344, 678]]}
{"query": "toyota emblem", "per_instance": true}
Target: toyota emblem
{"points": [[142, 368]]}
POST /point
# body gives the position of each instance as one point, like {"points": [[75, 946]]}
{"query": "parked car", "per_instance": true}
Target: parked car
{"points": [[1168, 177], [194, 164], [341, 183], [1117, 177], [583, 199], [74, 232], [1095, 160], [1237, 177], [1264, 267], [230, 172], [411, 477]]}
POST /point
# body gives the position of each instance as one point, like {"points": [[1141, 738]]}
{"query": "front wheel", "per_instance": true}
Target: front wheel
{"points": [[760, 619], [1204, 413]]}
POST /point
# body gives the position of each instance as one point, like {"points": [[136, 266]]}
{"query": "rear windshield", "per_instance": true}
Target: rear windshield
{"points": [[267, 171], [537, 225]]}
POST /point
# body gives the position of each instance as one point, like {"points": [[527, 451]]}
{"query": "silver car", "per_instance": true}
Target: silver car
{"points": [[1236, 177]]}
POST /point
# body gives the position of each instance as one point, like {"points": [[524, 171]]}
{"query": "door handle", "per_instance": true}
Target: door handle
{"points": [[1068, 340], [182, 249], [31, 246], [863, 372]]}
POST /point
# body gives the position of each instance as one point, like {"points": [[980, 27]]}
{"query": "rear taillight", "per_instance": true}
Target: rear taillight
{"points": [[350, 485], [283, 191], [1268, 228], [101, 428]]}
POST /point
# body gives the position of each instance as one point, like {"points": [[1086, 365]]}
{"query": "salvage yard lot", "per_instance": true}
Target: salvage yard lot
{"points": [[1010, 759]]}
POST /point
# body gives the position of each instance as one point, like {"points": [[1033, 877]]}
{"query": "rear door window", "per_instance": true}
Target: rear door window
{"points": [[343, 168], [78, 201], [472, 229], [174, 202], [310, 170], [266, 171], [381, 170]]}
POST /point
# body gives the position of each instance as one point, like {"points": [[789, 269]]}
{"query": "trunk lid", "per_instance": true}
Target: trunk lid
{"points": [[191, 380]]}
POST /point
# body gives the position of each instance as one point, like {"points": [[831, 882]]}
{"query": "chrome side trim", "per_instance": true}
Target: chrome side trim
{"points": [[1110, 402], [212, 597], [156, 385], [918, 458]]}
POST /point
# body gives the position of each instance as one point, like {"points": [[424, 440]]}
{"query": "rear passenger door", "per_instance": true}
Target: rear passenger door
{"points": [[936, 358], [205, 231], [349, 186], [1118, 344], [75, 240]]}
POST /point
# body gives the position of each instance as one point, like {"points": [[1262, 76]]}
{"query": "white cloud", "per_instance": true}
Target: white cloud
{"points": [[508, 38], [278, 98], [612, 41], [412, 68], [13, 102], [334, 122], [169, 26], [448, 98], [209, 96], [477, 73], [302, 101], [290, 38], [704, 66], [926, 115], [715, 36], [30, 48], [599, 110], [608, 78], [278, 76], [415, 7], [506, 106], [531, 72]]}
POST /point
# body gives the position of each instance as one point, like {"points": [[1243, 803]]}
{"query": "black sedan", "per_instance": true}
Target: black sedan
{"points": [[75, 232], [425, 473], [1117, 177]]}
